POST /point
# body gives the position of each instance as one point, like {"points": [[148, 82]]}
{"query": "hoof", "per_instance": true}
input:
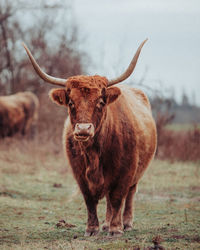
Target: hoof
{"points": [[128, 228], [91, 232], [105, 228], [117, 233]]}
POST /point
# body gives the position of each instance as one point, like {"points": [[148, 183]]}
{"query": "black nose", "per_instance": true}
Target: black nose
{"points": [[84, 129]]}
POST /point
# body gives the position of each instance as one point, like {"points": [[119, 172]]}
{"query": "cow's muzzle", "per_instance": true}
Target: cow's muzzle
{"points": [[83, 131]]}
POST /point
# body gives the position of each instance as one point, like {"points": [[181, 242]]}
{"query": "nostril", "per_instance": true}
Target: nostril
{"points": [[77, 127], [89, 126]]}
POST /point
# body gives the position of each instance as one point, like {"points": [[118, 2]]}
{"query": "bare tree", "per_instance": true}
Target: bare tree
{"points": [[53, 43]]}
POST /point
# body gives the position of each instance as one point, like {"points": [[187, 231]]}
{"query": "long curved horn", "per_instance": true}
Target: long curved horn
{"points": [[130, 68], [41, 73]]}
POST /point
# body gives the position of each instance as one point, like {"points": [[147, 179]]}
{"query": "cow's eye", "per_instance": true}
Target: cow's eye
{"points": [[71, 104], [100, 104], [72, 108]]}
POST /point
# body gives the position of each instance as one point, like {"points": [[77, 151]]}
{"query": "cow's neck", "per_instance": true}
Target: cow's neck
{"points": [[93, 170]]}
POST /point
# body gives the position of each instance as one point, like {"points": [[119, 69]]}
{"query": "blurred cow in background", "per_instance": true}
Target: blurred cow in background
{"points": [[18, 114]]}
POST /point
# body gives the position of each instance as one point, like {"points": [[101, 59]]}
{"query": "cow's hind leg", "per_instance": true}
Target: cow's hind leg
{"points": [[108, 215], [128, 209]]}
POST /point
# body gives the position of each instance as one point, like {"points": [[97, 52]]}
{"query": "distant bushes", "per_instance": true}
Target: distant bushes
{"points": [[179, 145]]}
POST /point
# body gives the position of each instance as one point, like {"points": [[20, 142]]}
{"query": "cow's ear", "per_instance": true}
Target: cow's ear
{"points": [[112, 94], [59, 96]]}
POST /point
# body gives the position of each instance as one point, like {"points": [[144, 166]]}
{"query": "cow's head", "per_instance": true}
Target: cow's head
{"points": [[86, 97]]}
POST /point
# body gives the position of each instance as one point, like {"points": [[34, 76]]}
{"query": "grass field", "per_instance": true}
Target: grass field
{"points": [[181, 127], [37, 191]]}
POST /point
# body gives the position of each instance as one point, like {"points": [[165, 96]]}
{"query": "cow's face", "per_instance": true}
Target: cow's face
{"points": [[87, 98]]}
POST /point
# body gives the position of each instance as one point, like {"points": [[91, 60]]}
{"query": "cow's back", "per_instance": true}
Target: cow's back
{"points": [[30, 104]]}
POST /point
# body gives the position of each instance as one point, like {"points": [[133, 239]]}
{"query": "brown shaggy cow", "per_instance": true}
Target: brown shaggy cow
{"points": [[109, 138], [18, 113]]}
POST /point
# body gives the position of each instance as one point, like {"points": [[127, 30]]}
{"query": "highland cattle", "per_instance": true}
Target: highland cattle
{"points": [[109, 139]]}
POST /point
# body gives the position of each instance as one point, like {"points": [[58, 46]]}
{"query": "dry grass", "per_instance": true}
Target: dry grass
{"points": [[21, 156]]}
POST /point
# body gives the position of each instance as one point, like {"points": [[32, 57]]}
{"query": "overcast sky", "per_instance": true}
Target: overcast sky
{"points": [[111, 31]]}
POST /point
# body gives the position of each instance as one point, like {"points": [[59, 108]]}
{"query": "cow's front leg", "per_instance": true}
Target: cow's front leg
{"points": [[116, 225], [108, 215], [91, 185], [91, 202], [92, 223]]}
